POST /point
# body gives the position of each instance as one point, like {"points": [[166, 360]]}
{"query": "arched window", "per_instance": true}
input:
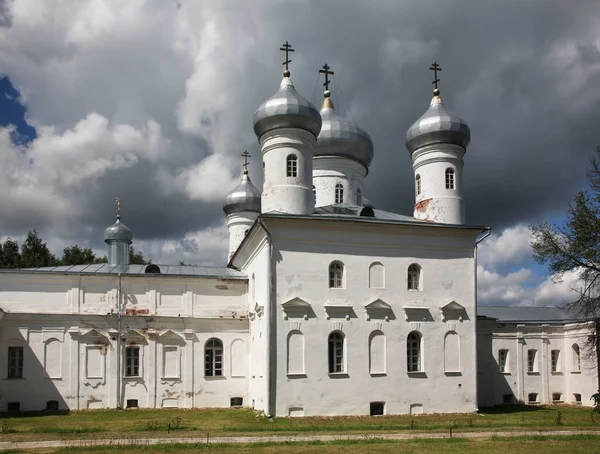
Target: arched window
{"points": [[532, 363], [336, 352], [451, 352], [315, 194], [449, 178], [213, 358], [339, 193], [336, 275], [376, 275], [377, 353], [292, 165], [418, 183], [413, 352], [358, 197], [295, 351], [414, 277], [576, 358]]}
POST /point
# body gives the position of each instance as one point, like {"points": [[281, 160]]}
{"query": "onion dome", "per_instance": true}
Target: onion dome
{"points": [[341, 138], [286, 109], [245, 197], [118, 232], [437, 125]]}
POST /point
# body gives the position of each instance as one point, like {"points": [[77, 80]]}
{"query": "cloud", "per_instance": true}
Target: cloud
{"points": [[152, 100], [510, 247]]}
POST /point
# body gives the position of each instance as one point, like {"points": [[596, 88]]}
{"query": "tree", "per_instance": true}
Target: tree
{"points": [[75, 255], [575, 247], [35, 253], [136, 259], [10, 254]]}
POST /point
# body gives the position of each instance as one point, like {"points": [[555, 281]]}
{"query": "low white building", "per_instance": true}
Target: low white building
{"points": [[341, 309]]}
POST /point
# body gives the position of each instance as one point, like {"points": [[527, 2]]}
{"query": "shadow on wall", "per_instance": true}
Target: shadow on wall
{"points": [[31, 379]]}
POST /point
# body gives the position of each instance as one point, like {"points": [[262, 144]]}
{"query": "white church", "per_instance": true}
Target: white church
{"points": [[327, 306]]}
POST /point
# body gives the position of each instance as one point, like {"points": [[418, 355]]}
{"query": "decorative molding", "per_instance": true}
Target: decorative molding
{"points": [[337, 326], [415, 326], [296, 308], [452, 311], [378, 325], [338, 307], [451, 326], [295, 325], [416, 311], [378, 307]]}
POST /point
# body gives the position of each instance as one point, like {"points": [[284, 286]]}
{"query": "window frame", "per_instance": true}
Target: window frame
{"points": [[503, 361], [532, 360], [131, 360], [336, 353], [576, 359], [450, 178], [337, 274], [414, 352], [555, 361], [15, 355], [359, 197], [418, 184], [291, 165], [213, 358], [414, 269], [339, 193]]}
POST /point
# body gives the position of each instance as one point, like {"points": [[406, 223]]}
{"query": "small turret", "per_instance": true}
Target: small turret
{"points": [[118, 237]]}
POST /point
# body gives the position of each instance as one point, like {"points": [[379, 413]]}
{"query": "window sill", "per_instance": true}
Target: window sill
{"points": [[170, 378], [453, 374], [556, 372], [297, 376], [504, 373], [214, 377], [378, 374], [419, 373], [339, 375], [133, 377], [413, 290], [575, 371], [533, 373]]}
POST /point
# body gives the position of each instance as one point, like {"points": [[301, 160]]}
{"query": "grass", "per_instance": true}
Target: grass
{"points": [[573, 444], [229, 422]]}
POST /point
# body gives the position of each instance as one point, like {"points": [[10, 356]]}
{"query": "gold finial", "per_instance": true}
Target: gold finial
{"points": [[435, 68], [118, 202], [287, 48], [245, 155]]}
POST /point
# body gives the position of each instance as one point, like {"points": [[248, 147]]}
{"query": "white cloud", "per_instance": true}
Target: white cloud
{"points": [[510, 247]]}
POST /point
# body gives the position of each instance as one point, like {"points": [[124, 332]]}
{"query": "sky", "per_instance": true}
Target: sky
{"points": [[152, 101]]}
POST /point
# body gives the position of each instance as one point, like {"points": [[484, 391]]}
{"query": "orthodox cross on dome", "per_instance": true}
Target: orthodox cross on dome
{"points": [[245, 155], [287, 48], [435, 68], [118, 202], [327, 73]]}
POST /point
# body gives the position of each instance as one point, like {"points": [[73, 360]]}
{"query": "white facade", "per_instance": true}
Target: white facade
{"points": [[438, 183], [535, 363], [331, 171]]}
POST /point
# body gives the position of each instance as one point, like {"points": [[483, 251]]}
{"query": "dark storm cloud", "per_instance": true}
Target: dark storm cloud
{"points": [[523, 75]]}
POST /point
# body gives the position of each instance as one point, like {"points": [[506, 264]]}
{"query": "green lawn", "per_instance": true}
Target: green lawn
{"points": [[196, 423], [579, 444]]}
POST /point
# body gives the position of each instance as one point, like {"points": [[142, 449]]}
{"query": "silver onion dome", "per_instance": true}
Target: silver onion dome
{"points": [[286, 109], [118, 232], [339, 137], [245, 197], [437, 125]]}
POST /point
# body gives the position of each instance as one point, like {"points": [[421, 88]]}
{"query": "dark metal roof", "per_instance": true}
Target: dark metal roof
{"points": [[137, 270], [526, 314]]}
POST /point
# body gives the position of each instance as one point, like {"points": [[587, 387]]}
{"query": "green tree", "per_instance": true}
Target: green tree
{"points": [[574, 246], [136, 258], [75, 255], [11, 258], [35, 253]]}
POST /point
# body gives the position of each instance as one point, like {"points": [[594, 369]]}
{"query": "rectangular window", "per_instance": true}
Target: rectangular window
{"points": [[377, 408], [15, 362], [556, 397], [503, 361], [292, 166], [532, 361], [532, 398], [555, 357], [132, 361]]}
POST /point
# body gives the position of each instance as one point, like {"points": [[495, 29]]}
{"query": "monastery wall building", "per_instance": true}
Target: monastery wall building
{"points": [[328, 306]]}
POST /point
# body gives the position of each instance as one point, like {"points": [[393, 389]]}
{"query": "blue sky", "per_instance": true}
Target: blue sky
{"points": [[12, 112]]}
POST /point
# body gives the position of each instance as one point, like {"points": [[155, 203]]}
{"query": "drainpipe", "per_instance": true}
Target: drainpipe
{"points": [[487, 233], [119, 406], [270, 407]]}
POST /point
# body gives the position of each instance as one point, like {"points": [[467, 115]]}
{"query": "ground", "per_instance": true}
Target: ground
{"points": [[213, 424]]}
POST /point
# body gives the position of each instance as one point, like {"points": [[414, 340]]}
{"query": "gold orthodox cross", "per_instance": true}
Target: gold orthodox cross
{"points": [[118, 201], [326, 71], [435, 68], [287, 48]]}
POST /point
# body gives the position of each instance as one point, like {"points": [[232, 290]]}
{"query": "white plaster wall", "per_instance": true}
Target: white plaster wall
{"points": [[239, 224], [281, 193], [518, 339], [329, 171], [436, 203], [302, 256]]}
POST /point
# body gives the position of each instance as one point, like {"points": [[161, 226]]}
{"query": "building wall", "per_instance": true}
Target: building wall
{"points": [[70, 355], [330, 171], [517, 383], [302, 257]]}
